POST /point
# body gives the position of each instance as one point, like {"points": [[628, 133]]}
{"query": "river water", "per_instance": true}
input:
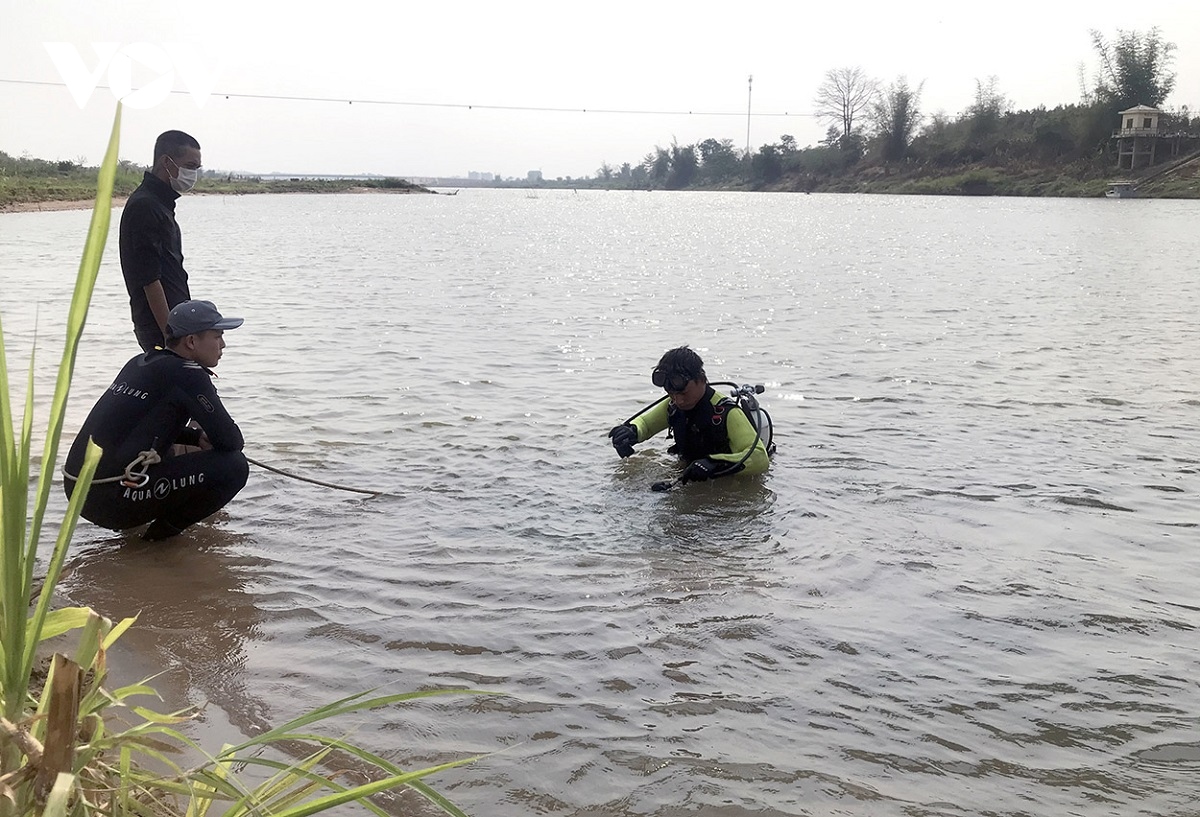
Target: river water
{"points": [[966, 586]]}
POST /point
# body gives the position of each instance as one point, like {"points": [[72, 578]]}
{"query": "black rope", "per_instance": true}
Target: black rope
{"points": [[273, 469]]}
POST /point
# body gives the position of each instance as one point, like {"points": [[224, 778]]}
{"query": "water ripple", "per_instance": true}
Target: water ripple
{"points": [[965, 587]]}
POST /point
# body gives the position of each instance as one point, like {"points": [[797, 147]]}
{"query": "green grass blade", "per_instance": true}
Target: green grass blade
{"points": [[159, 719], [385, 765], [23, 450], [418, 786], [217, 784], [281, 787], [352, 703], [125, 776], [14, 497], [119, 630], [122, 693], [16, 577], [367, 789], [85, 282], [8, 450], [19, 551], [60, 796], [59, 555], [270, 796], [88, 641], [61, 621]]}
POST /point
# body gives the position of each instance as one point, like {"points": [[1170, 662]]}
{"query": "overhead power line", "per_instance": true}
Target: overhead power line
{"points": [[457, 105]]}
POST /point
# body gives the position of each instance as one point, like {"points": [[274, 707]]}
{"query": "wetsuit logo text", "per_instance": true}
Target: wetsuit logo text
{"points": [[163, 487], [124, 388]]}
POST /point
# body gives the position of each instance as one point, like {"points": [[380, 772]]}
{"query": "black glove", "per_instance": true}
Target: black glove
{"points": [[702, 470], [623, 438]]}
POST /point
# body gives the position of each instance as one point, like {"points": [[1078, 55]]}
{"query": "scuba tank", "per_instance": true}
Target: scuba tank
{"points": [[744, 395]]}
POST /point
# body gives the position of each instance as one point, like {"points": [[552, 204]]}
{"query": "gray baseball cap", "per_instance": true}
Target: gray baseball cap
{"points": [[191, 317]]}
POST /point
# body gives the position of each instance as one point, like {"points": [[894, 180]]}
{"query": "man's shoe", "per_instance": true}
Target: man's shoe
{"points": [[160, 529]]}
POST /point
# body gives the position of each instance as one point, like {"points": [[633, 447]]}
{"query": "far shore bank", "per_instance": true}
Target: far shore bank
{"points": [[119, 201], [979, 181]]}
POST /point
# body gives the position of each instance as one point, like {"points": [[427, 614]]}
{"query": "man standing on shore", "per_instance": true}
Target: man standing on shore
{"points": [[151, 244]]}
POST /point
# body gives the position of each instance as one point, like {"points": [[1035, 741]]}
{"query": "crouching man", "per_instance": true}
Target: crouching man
{"points": [[144, 413]]}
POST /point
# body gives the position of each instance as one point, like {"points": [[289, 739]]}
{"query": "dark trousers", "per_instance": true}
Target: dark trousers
{"points": [[148, 338], [182, 490]]}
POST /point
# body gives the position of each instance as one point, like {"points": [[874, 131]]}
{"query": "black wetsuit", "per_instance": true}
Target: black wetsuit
{"points": [[152, 250], [148, 407]]}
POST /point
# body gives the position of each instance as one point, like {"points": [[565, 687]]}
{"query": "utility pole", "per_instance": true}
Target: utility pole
{"points": [[749, 92]]}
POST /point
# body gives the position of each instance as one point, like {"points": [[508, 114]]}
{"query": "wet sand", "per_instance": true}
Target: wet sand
{"points": [[50, 206]]}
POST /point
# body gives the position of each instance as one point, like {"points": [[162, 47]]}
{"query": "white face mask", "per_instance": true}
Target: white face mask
{"points": [[186, 179]]}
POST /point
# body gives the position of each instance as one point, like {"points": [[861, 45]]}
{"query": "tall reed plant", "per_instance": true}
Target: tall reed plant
{"points": [[58, 752]]}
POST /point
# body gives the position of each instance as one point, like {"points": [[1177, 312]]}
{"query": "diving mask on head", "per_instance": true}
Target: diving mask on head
{"points": [[672, 381]]}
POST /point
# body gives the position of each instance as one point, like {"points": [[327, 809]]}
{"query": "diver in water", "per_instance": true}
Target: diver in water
{"points": [[712, 433], [143, 414]]}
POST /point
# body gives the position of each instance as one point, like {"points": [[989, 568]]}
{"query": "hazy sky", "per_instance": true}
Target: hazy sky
{"points": [[617, 56]]}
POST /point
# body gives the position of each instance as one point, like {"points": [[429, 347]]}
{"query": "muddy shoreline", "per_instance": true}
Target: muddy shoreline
{"points": [[51, 206]]}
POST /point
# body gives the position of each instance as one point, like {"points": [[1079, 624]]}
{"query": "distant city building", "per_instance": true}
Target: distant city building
{"points": [[533, 176], [477, 176]]}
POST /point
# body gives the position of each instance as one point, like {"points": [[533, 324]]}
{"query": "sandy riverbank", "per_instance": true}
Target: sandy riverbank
{"points": [[50, 206]]}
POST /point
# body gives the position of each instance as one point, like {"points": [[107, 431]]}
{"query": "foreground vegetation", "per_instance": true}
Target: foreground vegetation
{"points": [[62, 748]]}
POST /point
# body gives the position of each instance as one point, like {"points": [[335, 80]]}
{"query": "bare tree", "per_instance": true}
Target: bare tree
{"points": [[843, 95]]}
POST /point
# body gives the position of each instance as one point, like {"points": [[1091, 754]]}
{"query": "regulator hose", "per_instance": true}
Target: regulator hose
{"points": [[746, 402]]}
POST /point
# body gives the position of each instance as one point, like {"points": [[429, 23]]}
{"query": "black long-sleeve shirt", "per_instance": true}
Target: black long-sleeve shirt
{"points": [[152, 250]]}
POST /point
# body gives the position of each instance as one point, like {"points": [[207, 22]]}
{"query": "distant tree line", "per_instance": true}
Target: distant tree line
{"points": [[872, 123], [28, 166]]}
